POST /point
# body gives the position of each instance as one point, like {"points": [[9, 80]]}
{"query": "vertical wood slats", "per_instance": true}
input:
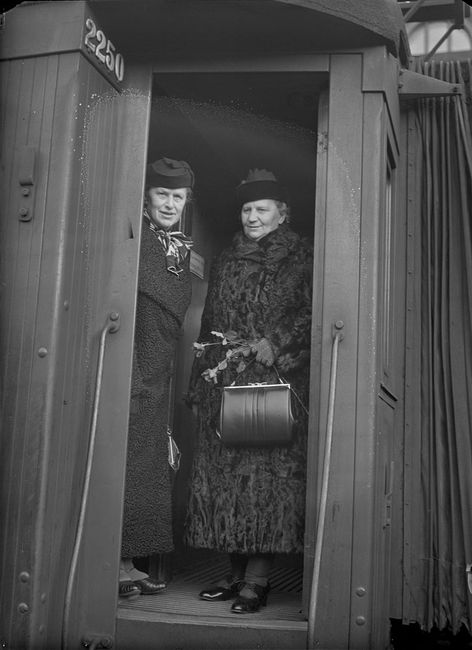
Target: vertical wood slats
{"points": [[356, 558], [84, 285], [21, 250], [339, 300], [101, 544], [56, 273]]}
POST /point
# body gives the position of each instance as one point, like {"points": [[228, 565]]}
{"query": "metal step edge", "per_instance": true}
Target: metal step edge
{"points": [[210, 621]]}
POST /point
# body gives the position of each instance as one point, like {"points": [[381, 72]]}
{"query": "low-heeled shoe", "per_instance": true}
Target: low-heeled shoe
{"points": [[127, 589], [148, 586], [219, 592], [249, 605]]}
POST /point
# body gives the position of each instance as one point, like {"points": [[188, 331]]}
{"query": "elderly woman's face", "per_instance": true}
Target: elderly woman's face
{"points": [[260, 217], [165, 206]]}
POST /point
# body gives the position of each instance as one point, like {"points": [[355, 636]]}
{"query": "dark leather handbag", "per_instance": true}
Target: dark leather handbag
{"points": [[256, 415]]}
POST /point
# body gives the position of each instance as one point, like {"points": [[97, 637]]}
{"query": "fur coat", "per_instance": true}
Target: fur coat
{"points": [[252, 500], [162, 302]]}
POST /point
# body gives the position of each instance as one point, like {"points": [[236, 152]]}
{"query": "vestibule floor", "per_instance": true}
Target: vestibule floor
{"points": [[193, 572]]}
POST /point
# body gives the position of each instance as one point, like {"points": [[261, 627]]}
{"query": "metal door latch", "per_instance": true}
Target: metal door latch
{"points": [[26, 181], [93, 642]]}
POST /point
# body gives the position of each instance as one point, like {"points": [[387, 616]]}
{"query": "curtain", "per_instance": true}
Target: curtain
{"points": [[440, 546]]}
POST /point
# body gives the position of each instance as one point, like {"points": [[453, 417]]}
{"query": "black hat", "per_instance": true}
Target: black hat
{"points": [[169, 173], [260, 184]]}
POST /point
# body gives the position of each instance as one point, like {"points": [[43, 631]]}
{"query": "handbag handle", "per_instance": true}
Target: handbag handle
{"points": [[281, 380], [241, 372]]}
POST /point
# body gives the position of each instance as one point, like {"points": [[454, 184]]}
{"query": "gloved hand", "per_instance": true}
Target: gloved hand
{"points": [[263, 351]]}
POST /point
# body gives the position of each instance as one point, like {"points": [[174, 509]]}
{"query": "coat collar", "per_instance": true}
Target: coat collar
{"points": [[271, 248]]}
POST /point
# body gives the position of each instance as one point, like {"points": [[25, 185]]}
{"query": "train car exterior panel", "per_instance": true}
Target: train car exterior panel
{"points": [[70, 262], [364, 579], [30, 239], [339, 302], [358, 220], [94, 610]]}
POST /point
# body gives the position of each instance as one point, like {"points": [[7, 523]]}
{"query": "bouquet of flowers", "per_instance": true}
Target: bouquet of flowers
{"points": [[237, 351]]}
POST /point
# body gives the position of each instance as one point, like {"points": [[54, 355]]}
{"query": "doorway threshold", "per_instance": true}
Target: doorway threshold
{"points": [[178, 620]]}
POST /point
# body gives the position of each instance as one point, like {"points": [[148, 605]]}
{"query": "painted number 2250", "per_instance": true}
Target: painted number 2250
{"points": [[104, 50]]}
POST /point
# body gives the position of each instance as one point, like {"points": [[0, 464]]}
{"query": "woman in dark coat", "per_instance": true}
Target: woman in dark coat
{"points": [[164, 292], [250, 502]]}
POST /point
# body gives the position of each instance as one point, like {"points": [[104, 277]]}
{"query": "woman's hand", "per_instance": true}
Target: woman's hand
{"points": [[263, 351]]}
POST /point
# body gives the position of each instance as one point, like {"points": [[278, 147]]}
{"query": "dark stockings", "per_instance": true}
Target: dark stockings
{"points": [[252, 568]]}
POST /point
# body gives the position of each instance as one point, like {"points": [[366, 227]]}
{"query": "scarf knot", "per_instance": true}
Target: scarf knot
{"points": [[175, 243]]}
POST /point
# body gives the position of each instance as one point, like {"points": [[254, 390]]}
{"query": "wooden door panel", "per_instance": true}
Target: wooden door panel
{"points": [[68, 262]]}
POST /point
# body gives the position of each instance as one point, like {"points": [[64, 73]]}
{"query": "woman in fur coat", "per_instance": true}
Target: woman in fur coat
{"points": [[164, 292], [250, 502]]}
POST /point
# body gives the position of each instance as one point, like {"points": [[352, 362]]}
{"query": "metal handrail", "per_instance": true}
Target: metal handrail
{"points": [[312, 610], [112, 325]]}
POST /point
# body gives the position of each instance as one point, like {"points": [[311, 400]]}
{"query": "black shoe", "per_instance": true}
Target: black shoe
{"points": [[148, 586], [222, 592], [252, 603], [127, 589]]}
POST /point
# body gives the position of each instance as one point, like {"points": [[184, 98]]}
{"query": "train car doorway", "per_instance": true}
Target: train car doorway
{"points": [[224, 124]]}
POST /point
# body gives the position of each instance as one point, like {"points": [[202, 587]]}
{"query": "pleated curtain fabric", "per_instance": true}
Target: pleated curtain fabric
{"points": [[439, 545]]}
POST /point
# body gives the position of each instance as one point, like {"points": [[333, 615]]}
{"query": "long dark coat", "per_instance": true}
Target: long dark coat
{"points": [[162, 302], [253, 500]]}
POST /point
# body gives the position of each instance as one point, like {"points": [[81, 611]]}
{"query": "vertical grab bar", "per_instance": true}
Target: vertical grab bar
{"points": [[338, 336], [112, 325]]}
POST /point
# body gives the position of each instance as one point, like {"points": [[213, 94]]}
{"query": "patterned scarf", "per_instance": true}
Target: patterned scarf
{"points": [[175, 244]]}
